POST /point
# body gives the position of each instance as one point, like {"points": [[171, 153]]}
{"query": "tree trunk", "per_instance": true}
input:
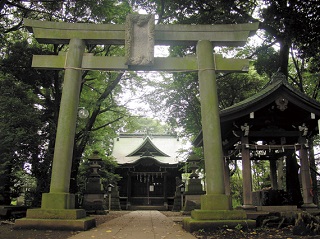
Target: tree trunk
{"points": [[313, 173], [292, 180], [284, 57]]}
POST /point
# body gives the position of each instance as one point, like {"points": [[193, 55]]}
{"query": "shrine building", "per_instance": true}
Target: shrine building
{"points": [[150, 168], [276, 124]]}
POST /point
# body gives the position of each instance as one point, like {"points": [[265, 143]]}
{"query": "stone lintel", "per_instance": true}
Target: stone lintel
{"points": [[114, 34], [90, 62]]}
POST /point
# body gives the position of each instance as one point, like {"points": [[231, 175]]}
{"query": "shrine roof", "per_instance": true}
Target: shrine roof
{"points": [[129, 148], [275, 89], [264, 105]]}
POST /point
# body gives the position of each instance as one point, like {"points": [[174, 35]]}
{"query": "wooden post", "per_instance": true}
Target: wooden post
{"points": [[305, 175], [165, 181], [129, 182], [215, 197], [273, 174], [246, 174]]}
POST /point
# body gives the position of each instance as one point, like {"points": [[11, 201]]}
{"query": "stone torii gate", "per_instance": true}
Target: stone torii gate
{"points": [[139, 35]]}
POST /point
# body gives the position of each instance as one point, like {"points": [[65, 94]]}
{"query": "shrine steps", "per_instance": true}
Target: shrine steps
{"points": [[148, 207]]}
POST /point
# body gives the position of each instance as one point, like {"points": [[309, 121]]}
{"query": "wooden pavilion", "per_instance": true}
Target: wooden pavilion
{"points": [[150, 169], [276, 124]]}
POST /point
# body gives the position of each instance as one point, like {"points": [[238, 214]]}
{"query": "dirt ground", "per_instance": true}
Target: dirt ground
{"points": [[7, 232]]}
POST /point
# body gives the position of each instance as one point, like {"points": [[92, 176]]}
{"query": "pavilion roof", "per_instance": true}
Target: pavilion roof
{"points": [[275, 89], [263, 106]]}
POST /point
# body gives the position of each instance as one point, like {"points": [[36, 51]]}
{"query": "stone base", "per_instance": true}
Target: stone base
{"points": [[249, 207], [192, 225], [309, 206], [211, 220], [55, 224], [218, 215], [68, 214], [216, 202], [284, 208], [58, 200], [56, 219]]}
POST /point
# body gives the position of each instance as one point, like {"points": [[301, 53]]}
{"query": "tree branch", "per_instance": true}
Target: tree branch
{"points": [[111, 122]]}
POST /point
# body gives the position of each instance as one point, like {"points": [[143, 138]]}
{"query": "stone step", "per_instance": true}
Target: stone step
{"points": [[147, 207]]}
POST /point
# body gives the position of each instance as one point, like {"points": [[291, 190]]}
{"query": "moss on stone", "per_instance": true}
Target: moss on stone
{"points": [[192, 225], [218, 215]]}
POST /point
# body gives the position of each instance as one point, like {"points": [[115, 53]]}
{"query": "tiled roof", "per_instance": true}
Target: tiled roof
{"points": [[128, 148]]}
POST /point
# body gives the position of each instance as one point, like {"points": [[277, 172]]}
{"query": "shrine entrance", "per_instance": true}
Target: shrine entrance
{"points": [[139, 36], [147, 188], [148, 166]]}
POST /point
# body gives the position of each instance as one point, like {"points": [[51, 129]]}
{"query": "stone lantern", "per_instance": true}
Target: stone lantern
{"points": [[93, 197], [194, 187], [194, 183]]}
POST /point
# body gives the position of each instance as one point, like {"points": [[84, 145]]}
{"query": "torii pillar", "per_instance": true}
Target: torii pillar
{"points": [[139, 36], [215, 198]]}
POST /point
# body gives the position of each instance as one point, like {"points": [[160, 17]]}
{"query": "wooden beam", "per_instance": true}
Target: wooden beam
{"points": [[272, 146], [90, 62], [276, 134]]}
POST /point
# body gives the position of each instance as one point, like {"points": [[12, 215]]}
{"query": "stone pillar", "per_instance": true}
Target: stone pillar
{"points": [[246, 174], [215, 198], [305, 175], [57, 210], [59, 197]]}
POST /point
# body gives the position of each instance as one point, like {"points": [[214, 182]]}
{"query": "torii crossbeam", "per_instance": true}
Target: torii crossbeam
{"points": [[139, 35]]}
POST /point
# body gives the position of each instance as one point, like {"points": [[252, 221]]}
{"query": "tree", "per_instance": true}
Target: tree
{"points": [[276, 19], [46, 85], [19, 124]]}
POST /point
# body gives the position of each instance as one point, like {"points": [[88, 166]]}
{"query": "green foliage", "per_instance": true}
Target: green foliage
{"points": [[198, 12], [107, 172], [239, 227], [236, 188], [261, 174], [19, 133], [233, 88], [45, 87], [175, 99], [267, 61], [30, 98], [146, 125]]}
